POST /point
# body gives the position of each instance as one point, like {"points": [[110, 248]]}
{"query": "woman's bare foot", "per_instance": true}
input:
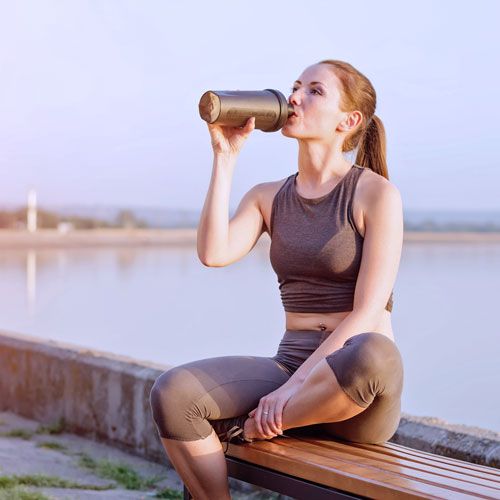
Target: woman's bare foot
{"points": [[250, 430]]}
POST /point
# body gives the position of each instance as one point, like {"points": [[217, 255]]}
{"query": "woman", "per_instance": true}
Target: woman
{"points": [[336, 238]]}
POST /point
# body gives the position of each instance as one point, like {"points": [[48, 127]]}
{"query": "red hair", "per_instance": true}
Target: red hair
{"points": [[357, 93]]}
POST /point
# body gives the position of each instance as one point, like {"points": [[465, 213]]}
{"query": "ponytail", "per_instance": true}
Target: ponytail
{"points": [[372, 147]]}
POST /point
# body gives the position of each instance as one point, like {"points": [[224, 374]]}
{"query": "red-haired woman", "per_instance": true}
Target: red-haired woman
{"points": [[336, 238]]}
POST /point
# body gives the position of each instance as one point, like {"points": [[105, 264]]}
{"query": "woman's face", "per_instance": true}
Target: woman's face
{"points": [[316, 99]]}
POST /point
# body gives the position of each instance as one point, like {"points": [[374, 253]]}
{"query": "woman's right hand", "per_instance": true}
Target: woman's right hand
{"points": [[229, 140]]}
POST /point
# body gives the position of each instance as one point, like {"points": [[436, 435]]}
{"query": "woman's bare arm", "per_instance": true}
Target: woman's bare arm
{"points": [[221, 241]]}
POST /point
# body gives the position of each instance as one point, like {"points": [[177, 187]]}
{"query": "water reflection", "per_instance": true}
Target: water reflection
{"points": [[31, 281]]}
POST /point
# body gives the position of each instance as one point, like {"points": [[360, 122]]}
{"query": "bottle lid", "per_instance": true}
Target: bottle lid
{"points": [[209, 106]]}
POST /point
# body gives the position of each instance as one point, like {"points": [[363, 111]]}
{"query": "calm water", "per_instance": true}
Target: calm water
{"points": [[163, 305]]}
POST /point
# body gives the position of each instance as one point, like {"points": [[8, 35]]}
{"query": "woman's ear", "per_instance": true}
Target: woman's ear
{"points": [[345, 124], [351, 121]]}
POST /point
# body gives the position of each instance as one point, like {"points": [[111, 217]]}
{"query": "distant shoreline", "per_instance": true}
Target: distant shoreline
{"points": [[51, 238]]}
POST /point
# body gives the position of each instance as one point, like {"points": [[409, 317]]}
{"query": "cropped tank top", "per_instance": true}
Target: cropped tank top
{"points": [[316, 248]]}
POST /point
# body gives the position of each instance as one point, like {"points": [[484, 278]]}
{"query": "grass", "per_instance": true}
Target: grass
{"points": [[56, 428], [169, 493], [52, 445], [120, 472], [42, 480], [10, 486], [20, 494], [20, 433]]}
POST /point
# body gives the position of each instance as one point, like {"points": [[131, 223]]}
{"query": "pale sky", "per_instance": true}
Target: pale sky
{"points": [[99, 98]]}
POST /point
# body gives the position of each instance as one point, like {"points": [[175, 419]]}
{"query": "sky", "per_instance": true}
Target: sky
{"points": [[99, 98]]}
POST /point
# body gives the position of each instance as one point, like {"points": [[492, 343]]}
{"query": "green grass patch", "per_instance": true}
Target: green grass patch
{"points": [[169, 493], [54, 428], [52, 445], [20, 494], [120, 472], [20, 433], [42, 480]]}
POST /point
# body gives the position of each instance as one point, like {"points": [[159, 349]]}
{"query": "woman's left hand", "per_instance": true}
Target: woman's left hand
{"points": [[269, 414]]}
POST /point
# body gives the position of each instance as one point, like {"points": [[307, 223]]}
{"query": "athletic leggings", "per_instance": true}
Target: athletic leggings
{"points": [[187, 401]]}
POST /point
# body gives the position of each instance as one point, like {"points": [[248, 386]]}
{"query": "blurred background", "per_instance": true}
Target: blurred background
{"points": [[100, 131]]}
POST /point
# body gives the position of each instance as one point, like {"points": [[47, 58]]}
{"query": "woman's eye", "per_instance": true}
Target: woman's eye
{"points": [[293, 89]]}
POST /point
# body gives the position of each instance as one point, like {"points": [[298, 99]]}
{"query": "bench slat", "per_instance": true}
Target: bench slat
{"points": [[430, 457], [456, 469], [460, 482], [330, 471], [371, 474], [398, 449]]}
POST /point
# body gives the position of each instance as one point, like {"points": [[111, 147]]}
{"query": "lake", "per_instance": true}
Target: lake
{"points": [[161, 304]]}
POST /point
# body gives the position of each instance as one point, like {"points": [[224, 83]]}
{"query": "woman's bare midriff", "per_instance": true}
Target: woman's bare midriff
{"points": [[330, 321], [311, 320]]}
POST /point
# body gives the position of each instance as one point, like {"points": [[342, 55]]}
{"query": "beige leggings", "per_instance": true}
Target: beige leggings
{"points": [[190, 400]]}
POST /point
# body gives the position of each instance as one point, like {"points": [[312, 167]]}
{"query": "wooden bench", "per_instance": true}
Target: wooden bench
{"points": [[316, 467]]}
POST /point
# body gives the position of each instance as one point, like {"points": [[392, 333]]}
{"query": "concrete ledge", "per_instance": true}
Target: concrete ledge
{"points": [[100, 395], [106, 397], [463, 442]]}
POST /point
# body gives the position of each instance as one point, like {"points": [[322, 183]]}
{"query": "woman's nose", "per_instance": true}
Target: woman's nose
{"points": [[294, 98]]}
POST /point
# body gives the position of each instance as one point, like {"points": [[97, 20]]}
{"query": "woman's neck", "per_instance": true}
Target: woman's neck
{"points": [[320, 163]]}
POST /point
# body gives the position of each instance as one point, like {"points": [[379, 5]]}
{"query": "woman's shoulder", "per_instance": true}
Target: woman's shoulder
{"points": [[372, 186], [268, 190]]}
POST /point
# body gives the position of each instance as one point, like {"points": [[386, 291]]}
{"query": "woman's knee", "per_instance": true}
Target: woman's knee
{"points": [[372, 353], [164, 391], [365, 365], [173, 398]]}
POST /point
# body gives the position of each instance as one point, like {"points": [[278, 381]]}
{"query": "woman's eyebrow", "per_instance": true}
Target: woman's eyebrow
{"points": [[312, 83]]}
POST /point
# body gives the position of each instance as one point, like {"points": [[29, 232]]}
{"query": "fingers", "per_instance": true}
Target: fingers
{"points": [[278, 418], [267, 417], [250, 124], [246, 129], [271, 422], [267, 422], [257, 418], [261, 422]]}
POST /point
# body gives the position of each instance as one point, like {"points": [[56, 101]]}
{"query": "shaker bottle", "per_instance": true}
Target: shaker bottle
{"points": [[233, 108]]}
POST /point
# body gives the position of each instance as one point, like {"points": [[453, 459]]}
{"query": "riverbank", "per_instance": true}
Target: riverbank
{"points": [[105, 397], [51, 238]]}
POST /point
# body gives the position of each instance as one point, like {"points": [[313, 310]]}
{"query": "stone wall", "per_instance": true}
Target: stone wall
{"points": [[99, 395]]}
